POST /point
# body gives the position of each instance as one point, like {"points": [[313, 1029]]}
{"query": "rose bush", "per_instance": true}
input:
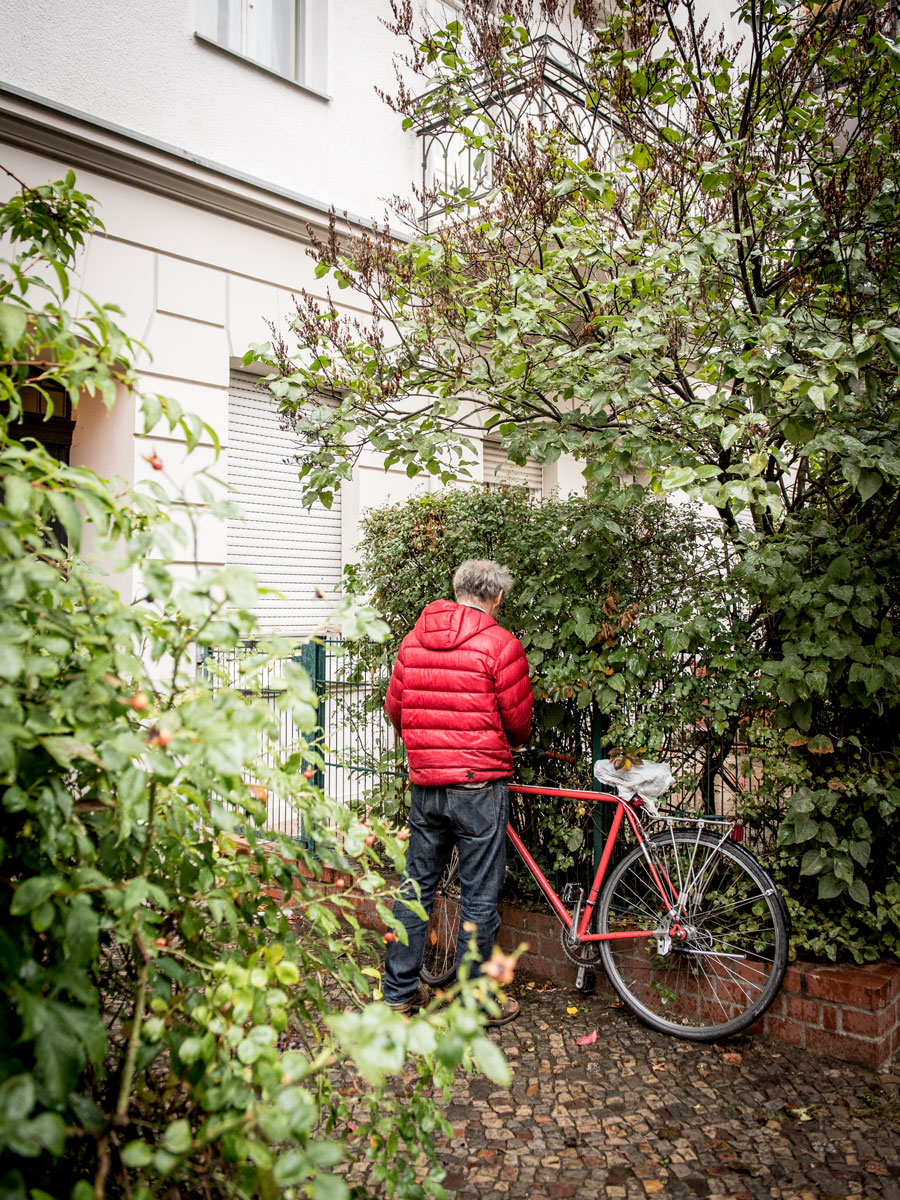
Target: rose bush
{"points": [[179, 1003]]}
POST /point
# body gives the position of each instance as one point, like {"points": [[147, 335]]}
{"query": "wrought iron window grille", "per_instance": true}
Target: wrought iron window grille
{"points": [[553, 86]]}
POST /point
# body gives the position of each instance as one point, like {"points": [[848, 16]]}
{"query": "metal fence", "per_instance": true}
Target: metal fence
{"points": [[715, 773], [354, 737], [361, 748]]}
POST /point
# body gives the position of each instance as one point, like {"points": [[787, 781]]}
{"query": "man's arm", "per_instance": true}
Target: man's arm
{"points": [[393, 701], [515, 698]]}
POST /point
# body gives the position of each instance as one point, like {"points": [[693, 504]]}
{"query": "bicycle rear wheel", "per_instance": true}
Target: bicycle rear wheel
{"points": [[439, 965], [726, 969]]}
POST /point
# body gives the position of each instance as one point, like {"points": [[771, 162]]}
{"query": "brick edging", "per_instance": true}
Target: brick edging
{"points": [[851, 1012]]}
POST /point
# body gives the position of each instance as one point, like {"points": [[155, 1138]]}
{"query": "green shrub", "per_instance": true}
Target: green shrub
{"points": [[150, 958], [639, 629], [622, 613]]}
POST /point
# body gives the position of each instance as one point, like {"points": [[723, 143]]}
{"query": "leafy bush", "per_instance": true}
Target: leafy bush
{"points": [[637, 628], [621, 609], [155, 951]]}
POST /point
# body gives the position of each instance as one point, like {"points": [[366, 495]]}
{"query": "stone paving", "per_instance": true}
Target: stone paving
{"points": [[637, 1114]]}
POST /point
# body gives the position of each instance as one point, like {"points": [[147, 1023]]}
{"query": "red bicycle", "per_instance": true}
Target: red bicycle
{"points": [[690, 928]]}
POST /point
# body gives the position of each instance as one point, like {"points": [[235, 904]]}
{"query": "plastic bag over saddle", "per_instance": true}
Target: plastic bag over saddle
{"points": [[648, 780]]}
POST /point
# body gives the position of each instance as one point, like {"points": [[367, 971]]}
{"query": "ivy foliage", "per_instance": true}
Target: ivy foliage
{"points": [[606, 596], [620, 609], [155, 950]]}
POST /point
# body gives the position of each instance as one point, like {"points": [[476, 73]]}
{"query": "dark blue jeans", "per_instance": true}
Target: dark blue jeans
{"points": [[439, 817]]}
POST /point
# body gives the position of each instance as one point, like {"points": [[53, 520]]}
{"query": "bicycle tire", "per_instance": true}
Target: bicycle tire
{"points": [[439, 964], [727, 971]]}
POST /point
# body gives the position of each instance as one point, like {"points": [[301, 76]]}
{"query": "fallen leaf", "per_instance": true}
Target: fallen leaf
{"points": [[799, 1114], [587, 1040], [733, 1058], [572, 1011]]}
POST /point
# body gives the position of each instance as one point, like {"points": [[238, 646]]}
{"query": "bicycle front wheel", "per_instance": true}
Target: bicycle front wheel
{"points": [[725, 961], [439, 965]]}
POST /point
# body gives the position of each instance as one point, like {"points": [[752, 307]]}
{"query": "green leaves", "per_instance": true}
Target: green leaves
{"points": [[13, 323], [32, 893], [676, 478], [641, 156], [145, 928], [137, 1154], [177, 1137], [330, 1187], [22, 1133], [490, 1061]]}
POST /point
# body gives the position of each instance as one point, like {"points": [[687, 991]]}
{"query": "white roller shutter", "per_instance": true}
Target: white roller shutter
{"points": [[289, 547], [499, 470]]}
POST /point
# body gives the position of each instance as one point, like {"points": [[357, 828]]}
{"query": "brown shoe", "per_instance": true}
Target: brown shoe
{"points": [[508, 1012], [418, 1000]]}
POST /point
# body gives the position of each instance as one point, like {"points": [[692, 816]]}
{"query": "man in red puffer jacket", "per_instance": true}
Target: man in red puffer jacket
{"points": [[460, 698]]}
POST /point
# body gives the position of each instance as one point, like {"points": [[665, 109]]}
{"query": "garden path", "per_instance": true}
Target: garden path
{"points": [[637, 1114]]}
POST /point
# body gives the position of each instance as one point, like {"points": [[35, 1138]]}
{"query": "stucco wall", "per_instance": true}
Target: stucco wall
{"points": [[196, 289], [139, 66]]}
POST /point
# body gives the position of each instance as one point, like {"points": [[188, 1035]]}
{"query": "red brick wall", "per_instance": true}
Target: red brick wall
{"points": [[850, 1012]]}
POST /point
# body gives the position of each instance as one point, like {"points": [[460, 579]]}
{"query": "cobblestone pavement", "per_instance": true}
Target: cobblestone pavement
{"points": [[637, 1114]]}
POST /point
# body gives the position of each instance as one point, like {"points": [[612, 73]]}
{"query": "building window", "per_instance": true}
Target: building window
{"points": [[46, 417], [500, 472], [271, 33]]}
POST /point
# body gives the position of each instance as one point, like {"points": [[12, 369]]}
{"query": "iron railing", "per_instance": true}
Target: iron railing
{"points": [[353, 736], [714, 772]]}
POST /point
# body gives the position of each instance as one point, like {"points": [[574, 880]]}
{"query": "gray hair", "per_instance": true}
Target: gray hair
{"points": [[481, 579]]}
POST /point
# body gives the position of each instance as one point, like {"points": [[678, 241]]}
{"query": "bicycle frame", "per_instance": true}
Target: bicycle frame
{"points": [[623, 809]]}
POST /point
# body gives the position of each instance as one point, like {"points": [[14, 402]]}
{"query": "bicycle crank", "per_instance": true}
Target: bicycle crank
{"points": [[582, 954]]}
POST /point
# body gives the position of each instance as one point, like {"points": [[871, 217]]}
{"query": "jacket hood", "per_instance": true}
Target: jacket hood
{"points": [[444, 626]]}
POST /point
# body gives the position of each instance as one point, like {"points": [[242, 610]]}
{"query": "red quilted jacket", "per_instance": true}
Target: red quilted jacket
{"points": [[459, 696]]}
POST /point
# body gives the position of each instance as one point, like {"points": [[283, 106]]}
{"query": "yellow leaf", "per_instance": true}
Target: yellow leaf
{"points": [[571, 1011]]}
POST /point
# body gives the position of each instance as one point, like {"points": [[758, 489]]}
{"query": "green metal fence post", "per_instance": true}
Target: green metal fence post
{"points": [[312, 660], [709, 798]]}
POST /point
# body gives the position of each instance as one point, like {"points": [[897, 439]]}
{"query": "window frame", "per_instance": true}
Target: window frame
{"points": [[311, 35]]}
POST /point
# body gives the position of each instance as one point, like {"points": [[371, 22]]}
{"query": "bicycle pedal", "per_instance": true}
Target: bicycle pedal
{"points": [[585, 981], [572, 893]]}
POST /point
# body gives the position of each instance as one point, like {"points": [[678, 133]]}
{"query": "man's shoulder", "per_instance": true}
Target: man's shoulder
{"points": [[408, 639], [500, 638]]}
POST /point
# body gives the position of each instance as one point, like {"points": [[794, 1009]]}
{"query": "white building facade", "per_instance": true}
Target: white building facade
{"points": [[213, 134]]}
